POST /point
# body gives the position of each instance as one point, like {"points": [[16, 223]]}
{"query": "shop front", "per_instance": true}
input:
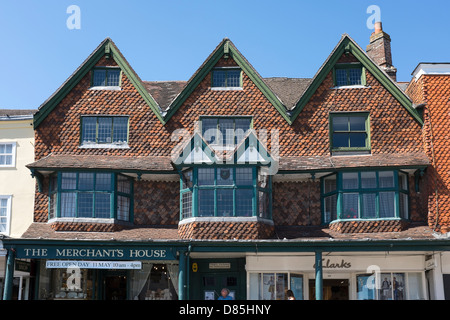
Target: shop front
{"points": [[100, 271], [346, 276]]}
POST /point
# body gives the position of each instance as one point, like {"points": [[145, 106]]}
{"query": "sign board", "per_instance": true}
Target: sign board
{"points": [[62, 264], [220, 265], [95, 253]]}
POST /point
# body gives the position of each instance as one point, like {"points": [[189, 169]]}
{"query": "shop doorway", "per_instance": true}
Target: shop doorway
{"points": [[333, 289], [115, 286], [209, 276]]}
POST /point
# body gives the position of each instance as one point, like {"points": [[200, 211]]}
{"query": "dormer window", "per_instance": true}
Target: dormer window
{"points": [[226, 78], [104, 131], [225, 132], [105, 78], [349, 74]]}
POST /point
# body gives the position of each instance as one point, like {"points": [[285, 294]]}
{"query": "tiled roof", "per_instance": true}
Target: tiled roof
{"points": [[164, 92], [44, 231], [147, 163], [16, 114], [161, 163], [355, 161], [288, 90], [416, 231]]}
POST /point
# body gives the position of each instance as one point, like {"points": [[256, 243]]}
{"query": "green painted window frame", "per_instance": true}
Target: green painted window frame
{"points": [[226, 70], [190, 185], [233, 118], [347, 67], [106, 69], [112, 117], [334, 115], [400, 189], [56, 189]]}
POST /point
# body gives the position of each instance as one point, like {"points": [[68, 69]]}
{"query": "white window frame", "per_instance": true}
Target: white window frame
{"points": [[13, 153], [8, 213]]}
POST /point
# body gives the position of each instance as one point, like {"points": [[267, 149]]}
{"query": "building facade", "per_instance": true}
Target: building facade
{"points": [[175, 189], [16, 187]]}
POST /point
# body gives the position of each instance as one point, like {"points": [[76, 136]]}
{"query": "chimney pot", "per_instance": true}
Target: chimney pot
{"points": [[378, 27]]}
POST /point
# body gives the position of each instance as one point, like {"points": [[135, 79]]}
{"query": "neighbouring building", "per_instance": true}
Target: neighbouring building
{"points": [[429, 89], [176, 189], [17, 188]]}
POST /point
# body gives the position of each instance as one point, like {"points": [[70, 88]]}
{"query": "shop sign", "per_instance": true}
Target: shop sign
{"points": [[62, 264], [220, 265], [327, 264], [98, 253]]}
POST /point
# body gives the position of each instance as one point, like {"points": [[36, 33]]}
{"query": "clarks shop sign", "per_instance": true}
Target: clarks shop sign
{"points": [[329, 264], [98, 253]]}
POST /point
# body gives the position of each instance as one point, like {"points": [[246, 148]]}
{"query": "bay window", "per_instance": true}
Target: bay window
{"points": [[225, 192], [90, 195], [365, 195]]}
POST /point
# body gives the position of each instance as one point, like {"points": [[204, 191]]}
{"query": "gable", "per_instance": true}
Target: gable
{"points": [[226, 49], [347, 45], [106, 48]]}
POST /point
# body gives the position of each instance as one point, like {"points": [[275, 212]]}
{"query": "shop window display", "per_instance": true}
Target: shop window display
{"points": [[274, 286], [65, 284], [390, 286], [155, 282]]}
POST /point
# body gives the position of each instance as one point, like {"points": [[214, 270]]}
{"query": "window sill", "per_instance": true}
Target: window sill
{"points": [[343, 153], [90, 220], [227, 88], [104, 146], [225, 219], [110, 88], [359, 86]]}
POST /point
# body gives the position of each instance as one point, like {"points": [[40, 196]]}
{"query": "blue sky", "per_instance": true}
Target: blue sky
{"points": [[169, 40]]}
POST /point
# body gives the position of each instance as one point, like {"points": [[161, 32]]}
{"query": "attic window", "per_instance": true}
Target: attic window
{"points": [[104, 131], [226, 78], [351, 74], [105, 77]]}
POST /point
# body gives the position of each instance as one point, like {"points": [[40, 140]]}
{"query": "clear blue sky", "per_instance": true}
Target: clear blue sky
{"points": [[169, 39]]}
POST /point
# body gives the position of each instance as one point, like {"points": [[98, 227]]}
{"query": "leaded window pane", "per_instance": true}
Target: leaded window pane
{"points": [[244, 202], [85, 204], [354, 75], [350, 206], [104, 130], [85, 181], [206, 203], [120, 129], [369, 205], [244, 176], [68, 180], [99, 79], [225, 176], [224, 202], [205, 176], [103, 205], [89, 127], [123, 208], [341, 77], [68, 204], [387, 204], [113, 76], [368, 180]]}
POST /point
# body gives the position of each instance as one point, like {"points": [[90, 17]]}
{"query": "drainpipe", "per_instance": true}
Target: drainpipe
{"points": [[319, 276], [9, 274], [182, 275]]}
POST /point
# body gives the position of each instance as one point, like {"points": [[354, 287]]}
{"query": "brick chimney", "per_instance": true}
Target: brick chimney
{"points": [[379, 49]]}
